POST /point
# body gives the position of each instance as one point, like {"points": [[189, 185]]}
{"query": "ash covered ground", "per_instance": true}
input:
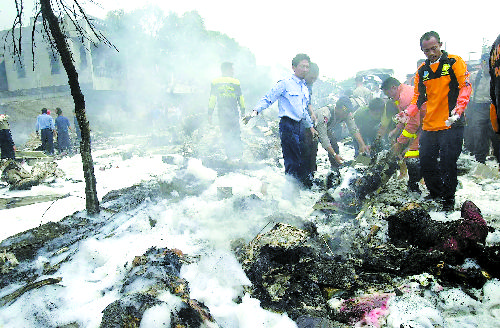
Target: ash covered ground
{"points": [[175, 241]]}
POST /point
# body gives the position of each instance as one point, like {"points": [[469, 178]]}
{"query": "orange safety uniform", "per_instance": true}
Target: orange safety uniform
{"points": [[495, 85], [445, 86]]}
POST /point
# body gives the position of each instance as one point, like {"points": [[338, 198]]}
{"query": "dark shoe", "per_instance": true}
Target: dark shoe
{"points": [[414, 188], [431, 197], [448, 204]]}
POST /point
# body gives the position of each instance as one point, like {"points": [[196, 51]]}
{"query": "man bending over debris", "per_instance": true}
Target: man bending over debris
{"points": [[407, 131], [330, 116]]}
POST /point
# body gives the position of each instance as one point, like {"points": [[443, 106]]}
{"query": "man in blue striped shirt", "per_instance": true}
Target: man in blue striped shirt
{"points": [[292, 95], [45, 126]]}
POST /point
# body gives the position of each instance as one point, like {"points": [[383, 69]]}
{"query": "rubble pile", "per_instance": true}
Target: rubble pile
{"points": [[296, 271], [293, 271], [18, 177], [156, 272]]}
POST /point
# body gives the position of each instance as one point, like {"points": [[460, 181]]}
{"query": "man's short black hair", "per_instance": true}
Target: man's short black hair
{"points": [[344, 102], [44, 110], [389, 83], [58, 111], [428, 35], [298, 58]]}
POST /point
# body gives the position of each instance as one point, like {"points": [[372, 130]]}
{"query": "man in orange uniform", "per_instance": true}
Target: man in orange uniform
{"points": [[443, 82], [408, 132], [495, 85]]}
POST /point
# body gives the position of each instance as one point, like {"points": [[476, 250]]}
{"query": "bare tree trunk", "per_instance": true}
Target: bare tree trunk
{"points": [[92, 202]]}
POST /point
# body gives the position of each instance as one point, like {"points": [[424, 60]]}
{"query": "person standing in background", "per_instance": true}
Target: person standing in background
{"points": [[361, 91], [481, 129], [7, 147], [311, 77], [45, 128], [443, 82], [225, 92], [63, 127]]}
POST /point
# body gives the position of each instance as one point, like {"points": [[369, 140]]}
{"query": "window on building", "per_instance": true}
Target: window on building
{"points": [[83, 57], [20, 67], [55, 63]]}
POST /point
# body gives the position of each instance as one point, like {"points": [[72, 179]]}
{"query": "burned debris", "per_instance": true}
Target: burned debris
{"points": [[298, 272], [18, 178], [156, 272]]}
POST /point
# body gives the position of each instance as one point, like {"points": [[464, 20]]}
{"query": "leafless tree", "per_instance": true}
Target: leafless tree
{"points": [[52, 13]]}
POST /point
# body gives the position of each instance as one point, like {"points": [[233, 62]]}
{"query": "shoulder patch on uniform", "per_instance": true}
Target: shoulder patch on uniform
{"points": [[426, 76]]}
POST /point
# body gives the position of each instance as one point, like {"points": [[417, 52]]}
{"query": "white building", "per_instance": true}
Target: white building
{"points": [[19, 74]]}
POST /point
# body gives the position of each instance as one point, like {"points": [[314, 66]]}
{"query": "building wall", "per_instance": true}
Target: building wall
{"points": [[47, 70]]}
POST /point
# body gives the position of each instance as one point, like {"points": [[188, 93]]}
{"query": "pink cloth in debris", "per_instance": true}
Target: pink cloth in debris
{"points": [[471, 230], [367, 309]]}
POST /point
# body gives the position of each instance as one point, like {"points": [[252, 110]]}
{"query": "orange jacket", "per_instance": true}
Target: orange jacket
{"points": [[445, 86]]}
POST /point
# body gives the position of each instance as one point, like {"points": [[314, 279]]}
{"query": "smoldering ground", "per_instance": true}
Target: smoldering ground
{"points": [[168, 199]]}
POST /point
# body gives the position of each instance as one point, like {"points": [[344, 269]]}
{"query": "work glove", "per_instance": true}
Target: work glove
{"points": [[247, 118], [401, 117], [452, 119]]}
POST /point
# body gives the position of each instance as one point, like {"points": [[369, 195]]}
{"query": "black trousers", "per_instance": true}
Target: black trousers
{"points": [[7, 144], [483, 134], [47, 137], [308, 150], [290, 133], [414, 173], [441, 177]]}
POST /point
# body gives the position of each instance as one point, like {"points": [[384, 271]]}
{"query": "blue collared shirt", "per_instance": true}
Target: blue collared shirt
{"points": [[44, 121], [293, 97]]}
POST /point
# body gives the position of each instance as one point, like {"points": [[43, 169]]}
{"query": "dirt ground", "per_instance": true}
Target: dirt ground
{"points": [[23, 111]]}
